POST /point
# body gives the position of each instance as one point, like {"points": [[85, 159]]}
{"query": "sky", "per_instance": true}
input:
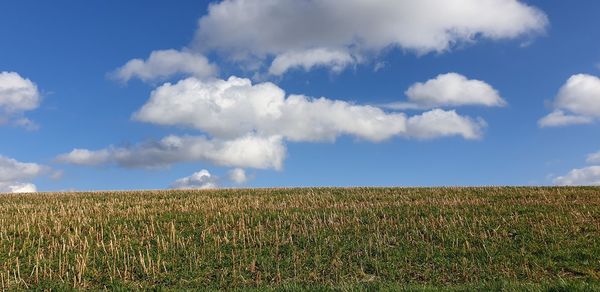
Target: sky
{"points": [[154, 94]]}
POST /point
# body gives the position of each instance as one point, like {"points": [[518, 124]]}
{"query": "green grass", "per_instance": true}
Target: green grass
{"points": [[424, 239]]}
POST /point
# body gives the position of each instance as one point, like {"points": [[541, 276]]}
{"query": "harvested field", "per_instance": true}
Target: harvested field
{"points": [[346, 238]]}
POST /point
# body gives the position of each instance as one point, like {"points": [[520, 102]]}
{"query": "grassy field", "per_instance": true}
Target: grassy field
{"points": [[312, 238]]}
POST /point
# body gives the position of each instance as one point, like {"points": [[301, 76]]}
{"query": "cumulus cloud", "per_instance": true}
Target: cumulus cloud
{"points": [[238, 176], [249, 123], [234, 107], [580, 95], [558, 118], [17, 188], [13, 173], [13, 170], [577, 102], [337, 60], [85, 157], [17, 95], [449, 89], [166, 63], [199, 180], [359, 26], [588, 176], [246, 151], [440, 123]]}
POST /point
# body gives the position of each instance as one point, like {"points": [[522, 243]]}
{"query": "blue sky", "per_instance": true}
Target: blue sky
{"points": [[73, 52]]}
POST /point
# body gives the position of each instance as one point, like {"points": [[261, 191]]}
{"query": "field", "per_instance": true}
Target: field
{"points": [[311, 238]]}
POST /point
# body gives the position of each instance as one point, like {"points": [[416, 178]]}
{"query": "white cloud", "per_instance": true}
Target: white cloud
{"points": [[314, 120], [440, 123], [13, 172], [249, 123], [244, 29], [589, 176], [166, 63], [558, 118], [17, 95], [449, 89], [17, 188], [337, 60], [580, 95], [85, 157], [199, 180], [593, 158], [246, 151], [234, 107], [582, 176], [26, 124], [238, 176], [379, 66], [580, 98], [256, 151]]}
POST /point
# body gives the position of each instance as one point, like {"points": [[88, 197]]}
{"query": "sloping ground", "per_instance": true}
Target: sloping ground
{"points": [[354, 238]]}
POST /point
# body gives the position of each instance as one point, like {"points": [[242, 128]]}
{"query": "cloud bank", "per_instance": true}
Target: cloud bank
{"points": [[246, 125], [246, 151], [249, 124], [234, 107]]}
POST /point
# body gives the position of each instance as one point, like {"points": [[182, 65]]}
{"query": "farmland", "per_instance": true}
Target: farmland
{"points": [[308, 238]]}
